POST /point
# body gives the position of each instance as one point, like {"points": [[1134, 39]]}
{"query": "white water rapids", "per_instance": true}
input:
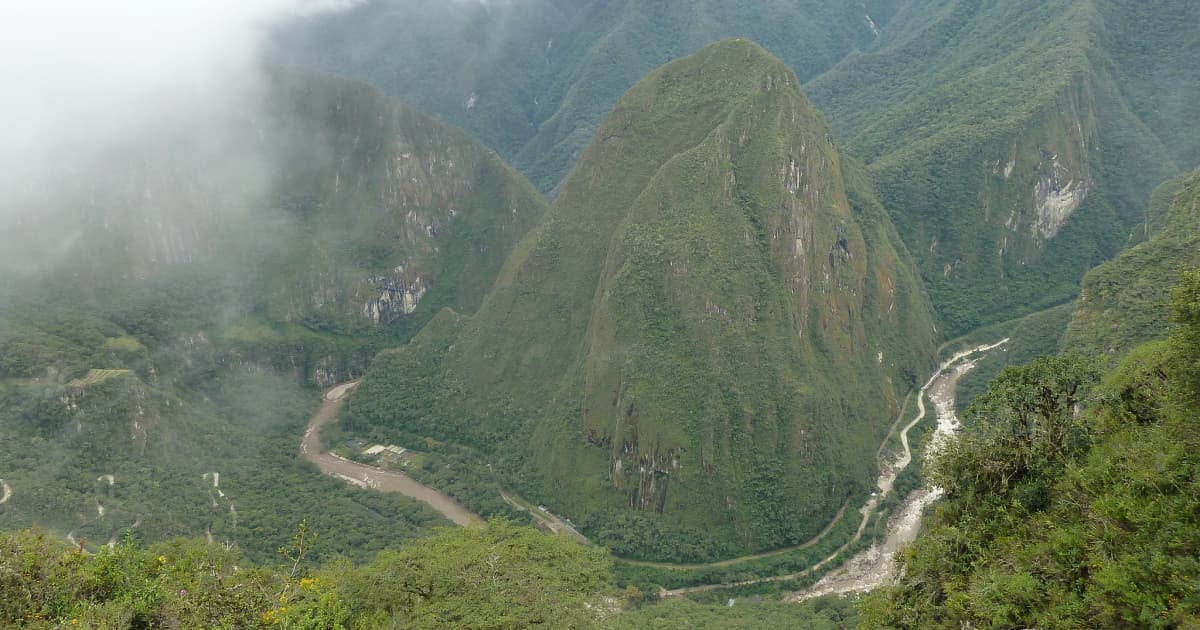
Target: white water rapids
{"points": [[875, 566]]}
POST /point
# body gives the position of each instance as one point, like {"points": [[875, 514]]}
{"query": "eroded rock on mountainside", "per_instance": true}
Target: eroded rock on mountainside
{"points": [[708, 334]]}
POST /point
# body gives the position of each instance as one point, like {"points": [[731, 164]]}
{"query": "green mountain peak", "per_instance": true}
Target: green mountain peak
{"points": [[702, 344]]}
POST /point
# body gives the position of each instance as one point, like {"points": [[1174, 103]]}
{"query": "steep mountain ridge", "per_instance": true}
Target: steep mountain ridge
{"points": [[1005, 143], [1124, 302], [715, 312], [339, 208], [175, 332], [534, 79]]}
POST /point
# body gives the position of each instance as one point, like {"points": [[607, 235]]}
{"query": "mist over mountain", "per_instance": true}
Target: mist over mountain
{"points": [[533, 79], [178, 280], [750, 307], [710, 314]]}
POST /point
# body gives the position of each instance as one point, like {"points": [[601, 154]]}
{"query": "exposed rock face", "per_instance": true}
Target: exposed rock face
{"points": [[326, 198], [1044, 179], [1055, 201], [395, 298], [693, 331], [1014, 141]]}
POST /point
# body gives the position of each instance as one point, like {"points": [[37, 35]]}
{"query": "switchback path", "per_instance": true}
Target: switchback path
{"points": [[902, 528], [758, 556], [875, 566], [369, 476], [870, 568]]}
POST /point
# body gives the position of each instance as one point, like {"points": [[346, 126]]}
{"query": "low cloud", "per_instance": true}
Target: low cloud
{"points": [[84, 79]]}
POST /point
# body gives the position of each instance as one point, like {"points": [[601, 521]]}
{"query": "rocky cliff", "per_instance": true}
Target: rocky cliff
{"points": [[711, 329]]}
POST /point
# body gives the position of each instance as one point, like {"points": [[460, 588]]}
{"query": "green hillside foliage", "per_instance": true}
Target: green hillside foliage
{"points": [[534, 79], [1159, 209], [183, 328], [1124, 301], [385, 200], [1011, 144], [501, 577], [704, 341], [86, 392], [682, 614], [1030, 337], [1071, 502]]}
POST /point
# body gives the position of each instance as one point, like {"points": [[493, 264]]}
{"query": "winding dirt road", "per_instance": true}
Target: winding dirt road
{"points": [[861, 573], [875, 566], [369, 476]]}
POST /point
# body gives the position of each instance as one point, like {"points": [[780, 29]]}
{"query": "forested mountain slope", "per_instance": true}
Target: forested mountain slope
{"points": [[166, 312], [1124, 301], [1071, 498], [700, 348], [533, 79], [500, 577], [1014, 142], [330, 204]]}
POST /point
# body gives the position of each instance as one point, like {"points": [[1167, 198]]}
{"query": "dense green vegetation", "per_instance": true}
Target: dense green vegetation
{"points": [[181, 341], [746, 613], [1032, 336], [534, 79], [694, 355], [1072, 498], [970, 114], [715, 312], [501, 577], [982, 121], [1124, 301], [88, 391]]}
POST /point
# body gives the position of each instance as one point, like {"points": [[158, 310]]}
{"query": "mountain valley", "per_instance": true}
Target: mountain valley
{"points": [[797, 313]]}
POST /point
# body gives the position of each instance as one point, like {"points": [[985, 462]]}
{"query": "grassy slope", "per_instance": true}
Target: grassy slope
{"points": [[682, 331], [962, 89], [1124, 301]]}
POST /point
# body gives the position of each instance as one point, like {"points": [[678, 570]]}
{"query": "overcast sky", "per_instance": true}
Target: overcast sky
{"points": [[82, 73]]}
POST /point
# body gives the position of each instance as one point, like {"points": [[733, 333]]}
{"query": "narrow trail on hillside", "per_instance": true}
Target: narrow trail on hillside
{"points": [[5, 492], [547, 518], [369, 476], [875, 566], [758, 556], [863, 572], [870, 568]]}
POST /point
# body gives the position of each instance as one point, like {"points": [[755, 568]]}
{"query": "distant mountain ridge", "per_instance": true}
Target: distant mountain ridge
{"points": [[203, 289], [699, 349], [1015, 142], [534, 79]]}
